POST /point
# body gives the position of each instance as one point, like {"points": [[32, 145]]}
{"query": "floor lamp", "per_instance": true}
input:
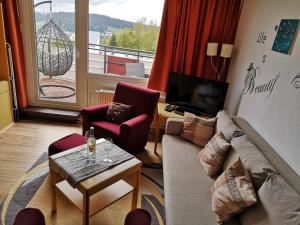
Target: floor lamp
{"points": [[226, 52]]}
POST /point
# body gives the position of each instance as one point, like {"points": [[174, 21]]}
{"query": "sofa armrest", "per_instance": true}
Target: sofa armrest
{"points": [[174, 126], [91, 114]]}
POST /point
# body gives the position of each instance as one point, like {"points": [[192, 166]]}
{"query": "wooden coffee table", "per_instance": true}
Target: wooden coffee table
{"points": [[98, 192]]}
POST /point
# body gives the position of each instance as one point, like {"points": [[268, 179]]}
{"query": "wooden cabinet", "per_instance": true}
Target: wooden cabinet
{"points": [[5, 105], [6, 117], [4, 67]]}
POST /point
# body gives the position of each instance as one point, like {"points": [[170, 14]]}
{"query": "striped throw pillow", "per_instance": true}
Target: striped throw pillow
{"points": [[197, 129], [213, 154], [232, 192]]}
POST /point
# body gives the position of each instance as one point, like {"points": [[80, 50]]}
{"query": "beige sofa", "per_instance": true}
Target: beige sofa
{"points": [[187, 187]]}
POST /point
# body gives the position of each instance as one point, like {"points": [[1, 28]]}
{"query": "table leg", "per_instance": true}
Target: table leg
{"points": [[135, 193], [86, 208], [156, 130], [53, 190]]}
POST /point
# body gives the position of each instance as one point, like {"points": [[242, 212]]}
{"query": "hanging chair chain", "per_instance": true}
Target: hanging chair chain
{"points": [[45, 2], [51, 10], [54, 48]]}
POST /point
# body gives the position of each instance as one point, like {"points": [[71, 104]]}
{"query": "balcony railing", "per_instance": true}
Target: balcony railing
{"points": [[99, 63], [109, 59]]}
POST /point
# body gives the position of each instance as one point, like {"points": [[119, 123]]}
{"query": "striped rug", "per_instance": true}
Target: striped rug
{"points": [[32, 190]]}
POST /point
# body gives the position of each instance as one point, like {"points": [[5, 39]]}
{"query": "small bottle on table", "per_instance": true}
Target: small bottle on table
{"points": [[91, 147]]}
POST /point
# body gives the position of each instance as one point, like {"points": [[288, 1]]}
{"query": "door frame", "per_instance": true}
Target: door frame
{"points": [[26, 14], [85, 81]]}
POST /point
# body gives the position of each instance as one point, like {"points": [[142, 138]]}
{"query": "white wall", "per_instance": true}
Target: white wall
{"points": [[277, 117]]}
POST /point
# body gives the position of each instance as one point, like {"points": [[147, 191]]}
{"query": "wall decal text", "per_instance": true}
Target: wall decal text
{"points": [[296, 81], [261, 37], [263, 60], [251, 87]]}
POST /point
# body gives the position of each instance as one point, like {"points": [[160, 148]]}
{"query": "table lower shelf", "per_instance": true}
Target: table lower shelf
{"points": [[98, 201]]}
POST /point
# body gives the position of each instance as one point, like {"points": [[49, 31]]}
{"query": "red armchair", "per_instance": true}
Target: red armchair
{"points": [[131, 135]]}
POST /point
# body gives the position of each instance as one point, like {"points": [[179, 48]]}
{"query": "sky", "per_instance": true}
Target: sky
{"points": [[130, 10]]}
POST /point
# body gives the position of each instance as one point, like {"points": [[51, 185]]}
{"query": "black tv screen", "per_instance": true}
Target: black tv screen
{"points": [[196, 94]]}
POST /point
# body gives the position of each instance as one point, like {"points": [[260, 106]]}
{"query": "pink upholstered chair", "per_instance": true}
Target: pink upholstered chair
{"points": [[131, 135]]}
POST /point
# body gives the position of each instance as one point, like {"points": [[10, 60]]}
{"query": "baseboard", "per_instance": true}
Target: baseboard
{"points": [[7, 127], [56, 115]]}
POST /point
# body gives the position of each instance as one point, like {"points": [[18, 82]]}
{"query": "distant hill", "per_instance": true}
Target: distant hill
{"points": [[66, 20]]}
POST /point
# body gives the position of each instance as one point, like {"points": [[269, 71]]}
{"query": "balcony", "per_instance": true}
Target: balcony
{"points": [[102, 59]]}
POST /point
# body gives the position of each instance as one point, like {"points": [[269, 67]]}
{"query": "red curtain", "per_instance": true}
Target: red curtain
{"points": [[15, 40], [186, 28]]}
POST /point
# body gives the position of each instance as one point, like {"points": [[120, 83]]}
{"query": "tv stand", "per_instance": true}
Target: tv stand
{"points": [[161, 117], [181, 109], [179, 112]]}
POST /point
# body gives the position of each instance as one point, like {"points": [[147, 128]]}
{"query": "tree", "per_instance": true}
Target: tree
{"points": [[126, 38], [113, 40], [142, 36]]}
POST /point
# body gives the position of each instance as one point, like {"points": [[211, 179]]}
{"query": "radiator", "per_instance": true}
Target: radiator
{"points": [[102, 96]]}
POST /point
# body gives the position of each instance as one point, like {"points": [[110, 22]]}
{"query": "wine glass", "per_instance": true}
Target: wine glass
{"points": [[107, 146]]}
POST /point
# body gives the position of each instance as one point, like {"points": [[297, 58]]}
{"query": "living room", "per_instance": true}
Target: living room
{"points": [[197, 124]]}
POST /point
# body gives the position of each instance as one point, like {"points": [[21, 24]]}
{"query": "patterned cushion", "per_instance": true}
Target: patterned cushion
{"points": [[256, 163], [197, 130], [118, 112], [213, 154], [232, 192]]}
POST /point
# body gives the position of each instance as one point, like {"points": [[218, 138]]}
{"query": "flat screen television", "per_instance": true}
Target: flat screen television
{"points": [[196, 95]]}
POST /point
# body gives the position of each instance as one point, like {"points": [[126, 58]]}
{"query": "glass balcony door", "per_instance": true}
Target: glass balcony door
{"points": [[55, 50]]}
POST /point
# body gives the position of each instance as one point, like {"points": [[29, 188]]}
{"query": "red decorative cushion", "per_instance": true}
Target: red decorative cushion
{"points": [[65, 143], [118, 113]]}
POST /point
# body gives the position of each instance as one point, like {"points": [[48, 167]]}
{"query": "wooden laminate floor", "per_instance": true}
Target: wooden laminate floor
{"points": [[22, 144]]}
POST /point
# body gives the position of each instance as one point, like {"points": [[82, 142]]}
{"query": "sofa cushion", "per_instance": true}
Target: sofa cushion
{"points": [[213, 154], [118, 112], [257, 165], [186, 185], [281, 166], [232, 192], [277, 203], [197, 130], [225, 124], [104, 129]]}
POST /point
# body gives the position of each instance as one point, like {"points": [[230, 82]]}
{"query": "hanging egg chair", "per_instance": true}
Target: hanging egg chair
{"points": [[54, 50], [54, 54]]}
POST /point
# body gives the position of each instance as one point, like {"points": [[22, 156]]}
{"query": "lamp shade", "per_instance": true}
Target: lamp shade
{"points": [[212, 49], [226, 50]]}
